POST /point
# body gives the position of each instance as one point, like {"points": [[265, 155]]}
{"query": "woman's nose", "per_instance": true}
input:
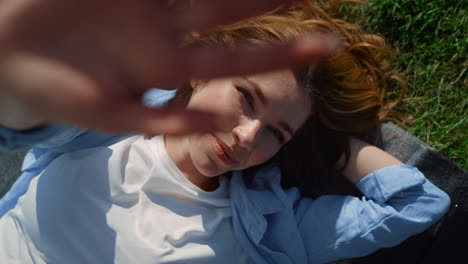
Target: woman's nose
{"points": [[246, 133]]}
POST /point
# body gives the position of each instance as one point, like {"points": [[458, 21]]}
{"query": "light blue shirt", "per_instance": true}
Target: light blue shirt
{"points": [[274, 225]]}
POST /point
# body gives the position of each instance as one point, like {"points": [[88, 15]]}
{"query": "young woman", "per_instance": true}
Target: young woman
{"points": [[212, 197]]}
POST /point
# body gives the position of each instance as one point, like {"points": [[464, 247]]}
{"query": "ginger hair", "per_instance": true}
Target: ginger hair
{"points": [[348, 90]]}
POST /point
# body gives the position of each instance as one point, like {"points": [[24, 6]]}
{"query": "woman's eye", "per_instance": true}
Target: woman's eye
{"points": [[248, 97], [277, 134]]}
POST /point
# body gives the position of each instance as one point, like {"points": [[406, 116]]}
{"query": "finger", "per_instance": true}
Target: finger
{"points": [[216, 62], [208, 13], [135, 117]]}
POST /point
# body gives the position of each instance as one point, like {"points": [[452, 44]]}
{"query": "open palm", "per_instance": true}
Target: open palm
{"points": [[88, 62]]}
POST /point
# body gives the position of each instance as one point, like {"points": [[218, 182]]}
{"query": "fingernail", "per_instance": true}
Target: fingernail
{"points": [[335, 42], [320, 44]]}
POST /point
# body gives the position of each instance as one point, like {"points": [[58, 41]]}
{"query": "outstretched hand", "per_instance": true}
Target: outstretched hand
{"points": [[88, 62]]}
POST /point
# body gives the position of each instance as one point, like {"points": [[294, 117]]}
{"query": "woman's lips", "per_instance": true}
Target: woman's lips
{"points": [[222, 151]]}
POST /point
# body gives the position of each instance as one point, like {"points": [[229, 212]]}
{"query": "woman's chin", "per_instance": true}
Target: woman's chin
{"points": [[211, 172], [208, 163], [209, 169]]}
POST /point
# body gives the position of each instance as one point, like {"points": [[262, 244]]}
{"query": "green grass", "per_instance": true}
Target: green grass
{"points": [[430, 37]]}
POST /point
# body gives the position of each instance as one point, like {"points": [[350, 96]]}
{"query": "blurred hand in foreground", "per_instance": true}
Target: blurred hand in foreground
{"points": [[87, 62]]}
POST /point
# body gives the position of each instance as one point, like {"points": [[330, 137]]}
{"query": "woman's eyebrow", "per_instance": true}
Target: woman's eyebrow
{"points": [[257, 91]]}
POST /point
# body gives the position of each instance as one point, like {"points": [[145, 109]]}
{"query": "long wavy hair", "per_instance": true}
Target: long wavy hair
{"points": [[348, 91]]}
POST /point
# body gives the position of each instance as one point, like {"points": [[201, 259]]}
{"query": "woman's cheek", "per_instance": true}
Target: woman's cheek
{"points": [[225, 106]]}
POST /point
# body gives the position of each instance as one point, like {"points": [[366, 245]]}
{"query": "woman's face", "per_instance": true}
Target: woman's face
{"points": [[267, 109]]}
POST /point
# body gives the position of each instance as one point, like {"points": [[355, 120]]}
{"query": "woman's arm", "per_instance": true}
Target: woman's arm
{"points": [[76, 65], [365, 159], [398, 202]]}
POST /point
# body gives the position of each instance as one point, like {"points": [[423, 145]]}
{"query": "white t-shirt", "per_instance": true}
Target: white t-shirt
{"points": [[127, 203]]}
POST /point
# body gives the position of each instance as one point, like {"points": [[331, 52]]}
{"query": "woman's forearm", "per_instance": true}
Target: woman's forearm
{"points": [[365, 159]]}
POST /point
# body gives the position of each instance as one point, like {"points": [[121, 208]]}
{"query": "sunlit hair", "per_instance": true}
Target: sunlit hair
{"points": [[348, 90]]}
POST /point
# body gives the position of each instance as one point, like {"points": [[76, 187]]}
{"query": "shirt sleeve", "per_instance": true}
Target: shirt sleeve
{"points": [[398, 202]]}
